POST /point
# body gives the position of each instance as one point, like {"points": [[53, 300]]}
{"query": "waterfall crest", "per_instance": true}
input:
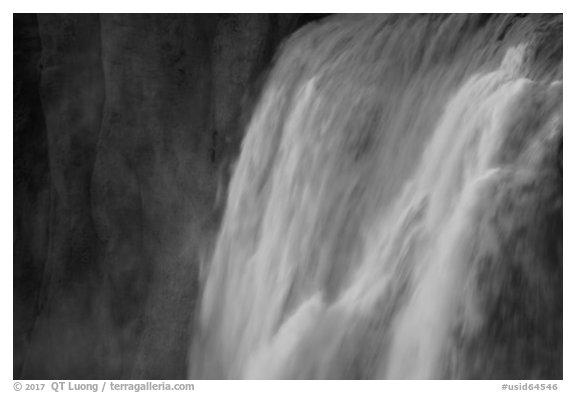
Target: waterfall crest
{"points": [[381, 200]]}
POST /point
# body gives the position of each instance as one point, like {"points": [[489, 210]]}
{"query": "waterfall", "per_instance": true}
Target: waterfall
{"points": [[391, 182]]}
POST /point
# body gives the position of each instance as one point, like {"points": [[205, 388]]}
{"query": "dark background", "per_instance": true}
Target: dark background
{"points": [[125, 126]]}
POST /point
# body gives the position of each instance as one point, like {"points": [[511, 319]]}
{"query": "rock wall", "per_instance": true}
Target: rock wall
{"points": [[125, 129]]}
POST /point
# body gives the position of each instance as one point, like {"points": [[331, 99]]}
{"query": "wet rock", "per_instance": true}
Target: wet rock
{"points": [[118, 189]]}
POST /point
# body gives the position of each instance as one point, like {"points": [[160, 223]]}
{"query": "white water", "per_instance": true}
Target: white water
{"points": [[312, 278]]}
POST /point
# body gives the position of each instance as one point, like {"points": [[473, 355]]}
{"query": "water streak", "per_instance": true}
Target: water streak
{"points": [[343, 256]]}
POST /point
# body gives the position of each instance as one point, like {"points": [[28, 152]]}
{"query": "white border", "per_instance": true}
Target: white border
{"points": [[6, 382]]}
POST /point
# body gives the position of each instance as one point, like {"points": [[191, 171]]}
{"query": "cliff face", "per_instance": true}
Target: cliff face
{"points": [[125, 127]]}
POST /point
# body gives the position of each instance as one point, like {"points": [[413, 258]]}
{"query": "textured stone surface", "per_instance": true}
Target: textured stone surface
{"points": [[31, 184], [124, 125], [71, 91]]}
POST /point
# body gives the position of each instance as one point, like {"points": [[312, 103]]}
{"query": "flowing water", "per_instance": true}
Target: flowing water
{"points": [[396, 210]]}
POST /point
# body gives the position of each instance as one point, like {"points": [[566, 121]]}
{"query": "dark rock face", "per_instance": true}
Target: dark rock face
{"points": [[31, 184], [71, 91], [123, 126]]}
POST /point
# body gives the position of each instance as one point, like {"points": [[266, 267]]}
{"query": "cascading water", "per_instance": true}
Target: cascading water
{"points": [[396, 211]]}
